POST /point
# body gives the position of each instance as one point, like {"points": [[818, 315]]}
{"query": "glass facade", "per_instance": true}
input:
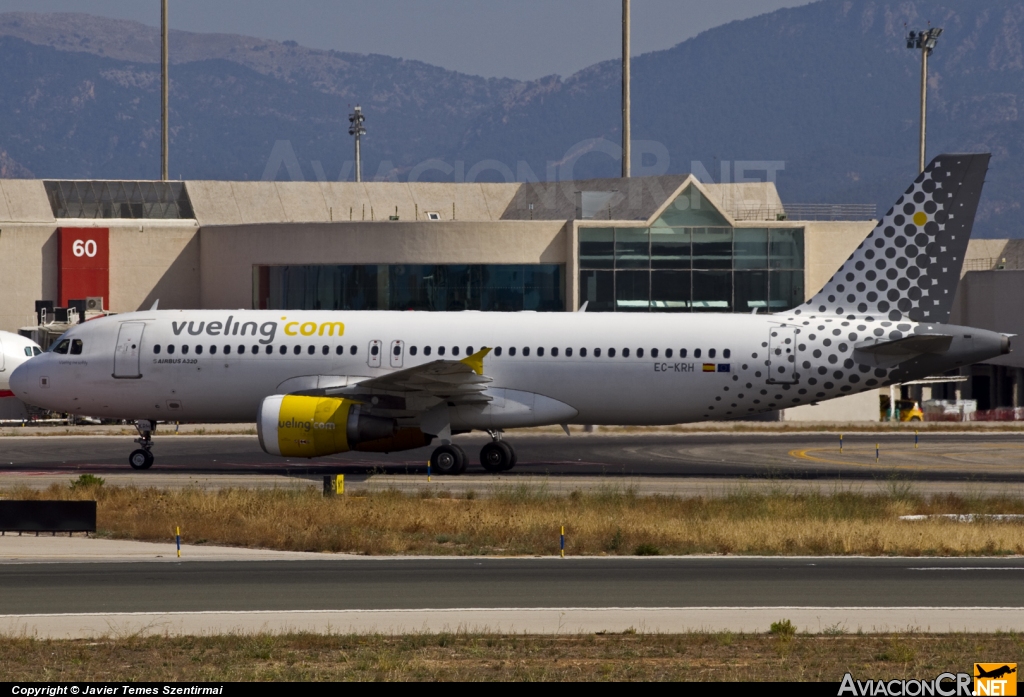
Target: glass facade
{"points": [[430, 287], [691, 260], [114, 199]]}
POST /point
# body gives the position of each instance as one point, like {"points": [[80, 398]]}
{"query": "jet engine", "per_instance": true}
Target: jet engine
{"points": [[302, 426]]}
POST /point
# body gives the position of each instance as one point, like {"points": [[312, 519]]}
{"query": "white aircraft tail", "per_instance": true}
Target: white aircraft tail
{"points": [[909, 266]]}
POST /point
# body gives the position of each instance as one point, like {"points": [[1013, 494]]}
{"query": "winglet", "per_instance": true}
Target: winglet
{"points": [[476, 361], [155, 305]]}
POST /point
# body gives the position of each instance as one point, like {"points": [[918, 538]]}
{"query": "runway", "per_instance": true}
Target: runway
{"points": [[543, 594], [982, 456]]}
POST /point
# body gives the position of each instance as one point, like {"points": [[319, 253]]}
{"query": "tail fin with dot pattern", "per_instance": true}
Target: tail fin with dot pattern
{"points": [[909, 266]]}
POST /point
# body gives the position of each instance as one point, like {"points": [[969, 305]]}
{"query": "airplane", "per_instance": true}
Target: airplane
{"points": [[319, 383], [995, 673], [14, 350]]}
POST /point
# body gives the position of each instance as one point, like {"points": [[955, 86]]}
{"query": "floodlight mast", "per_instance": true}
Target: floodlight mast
{"points": [[164, 85], [356, 129], [626, 135], [925, 42]]}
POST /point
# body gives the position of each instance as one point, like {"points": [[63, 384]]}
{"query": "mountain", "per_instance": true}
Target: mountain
{"points": [[826, 91]]}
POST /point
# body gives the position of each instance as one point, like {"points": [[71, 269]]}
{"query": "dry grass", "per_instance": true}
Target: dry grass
{"points": [[685, 657], [526, 520]]}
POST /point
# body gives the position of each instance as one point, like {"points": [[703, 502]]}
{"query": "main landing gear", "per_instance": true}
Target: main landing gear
{"points": [[497, 456], [142, 459]]}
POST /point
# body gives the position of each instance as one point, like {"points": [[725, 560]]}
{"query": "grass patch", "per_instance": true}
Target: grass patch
{"points": [[524, 520], [459, 656]]}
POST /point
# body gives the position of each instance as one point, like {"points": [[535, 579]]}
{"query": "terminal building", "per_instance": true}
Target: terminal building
{"points": [[647, 244]]}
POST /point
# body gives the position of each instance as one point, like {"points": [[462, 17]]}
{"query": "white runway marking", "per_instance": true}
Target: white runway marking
{"points": [[568, 620]]}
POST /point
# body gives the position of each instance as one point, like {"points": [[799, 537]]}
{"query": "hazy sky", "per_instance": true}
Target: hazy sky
{"points": [[522, 39]]}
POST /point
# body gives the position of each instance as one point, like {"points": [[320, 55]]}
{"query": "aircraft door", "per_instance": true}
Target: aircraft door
{"points": [[782, 355], [397, 353], [373, 355], [128, 350]]}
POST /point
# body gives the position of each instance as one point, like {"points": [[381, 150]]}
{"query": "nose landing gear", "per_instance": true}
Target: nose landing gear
{"points": [[142, 459]]}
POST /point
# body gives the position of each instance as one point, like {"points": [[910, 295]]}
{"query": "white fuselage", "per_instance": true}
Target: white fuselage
{"points": [[14, 350], [679, 367]]}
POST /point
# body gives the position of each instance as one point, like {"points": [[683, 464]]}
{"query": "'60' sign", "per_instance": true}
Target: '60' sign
{"points": [[83, 259]]}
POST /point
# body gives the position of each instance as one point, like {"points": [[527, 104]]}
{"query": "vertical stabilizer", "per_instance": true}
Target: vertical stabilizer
{"points": [[909, 266]]}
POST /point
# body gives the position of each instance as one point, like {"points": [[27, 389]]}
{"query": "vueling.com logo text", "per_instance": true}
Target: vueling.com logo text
{"points": [[306, 426]]}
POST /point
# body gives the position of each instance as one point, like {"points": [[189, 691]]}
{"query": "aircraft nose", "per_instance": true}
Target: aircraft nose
{"points": [[24, 382]]}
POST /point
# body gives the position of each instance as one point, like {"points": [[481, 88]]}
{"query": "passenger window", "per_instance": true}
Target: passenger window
{"points": [[639, 353], [597, 352], [311, 350], [255, 350], [526, 350], [469, 350], [583, 353], [76, 347], [568, 353], [711, 353], [611, 353], [156, 348], [696, 353], [297, 350], [682, 353], [654, 353], [374, 350], [170, 348], [497, 351], [727, 353], [241, 350], [455, 350], [512, 351], [62, 347], [426, 350], [270, 350], [184, 350], [554, 352], [413, 350], [283, 350], [440, 350], [339, 350], [625, 353], [540, 351], [227, 349], [199, 350], [213, 350], [397, 350], [668, 353], [326, 350], [353, 350]]}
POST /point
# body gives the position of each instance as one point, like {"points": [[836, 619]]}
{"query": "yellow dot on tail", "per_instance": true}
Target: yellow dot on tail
{"points": [[920, 218]]}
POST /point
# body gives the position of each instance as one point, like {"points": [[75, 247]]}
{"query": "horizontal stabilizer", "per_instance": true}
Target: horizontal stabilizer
{"points": [[907, 346]]}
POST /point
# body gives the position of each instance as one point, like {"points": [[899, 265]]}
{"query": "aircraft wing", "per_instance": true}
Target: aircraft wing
{"points": [[457, 382]]}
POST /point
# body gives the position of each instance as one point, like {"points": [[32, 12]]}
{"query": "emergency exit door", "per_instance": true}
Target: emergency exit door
{"points": [[782, 355], [128, 350]]}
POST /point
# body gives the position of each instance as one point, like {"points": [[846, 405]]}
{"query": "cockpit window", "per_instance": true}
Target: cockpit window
{"points": [[36, 351], [28, 351], [76, 347], [62, 347]]}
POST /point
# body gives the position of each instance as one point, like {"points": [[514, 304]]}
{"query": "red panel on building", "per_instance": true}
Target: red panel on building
{"points": [[83, 263]]}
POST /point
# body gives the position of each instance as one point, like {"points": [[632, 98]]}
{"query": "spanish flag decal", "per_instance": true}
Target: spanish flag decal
{"points": [[709, 367]]}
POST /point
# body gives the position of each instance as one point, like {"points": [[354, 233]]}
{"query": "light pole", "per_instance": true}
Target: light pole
{"points": [[164, 85], [625, 90], [924, 41], [356, 129]]}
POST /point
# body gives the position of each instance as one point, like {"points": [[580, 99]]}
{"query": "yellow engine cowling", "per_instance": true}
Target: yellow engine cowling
{"points": [[301, 426]]}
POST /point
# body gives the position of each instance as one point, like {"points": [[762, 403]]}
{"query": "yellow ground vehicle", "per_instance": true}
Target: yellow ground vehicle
{"points": [[909, 410]]}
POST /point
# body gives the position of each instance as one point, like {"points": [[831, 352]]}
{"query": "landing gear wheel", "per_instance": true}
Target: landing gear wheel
{"points": [[448, 459], [140, 459], [496, 457], [512, 457]]}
